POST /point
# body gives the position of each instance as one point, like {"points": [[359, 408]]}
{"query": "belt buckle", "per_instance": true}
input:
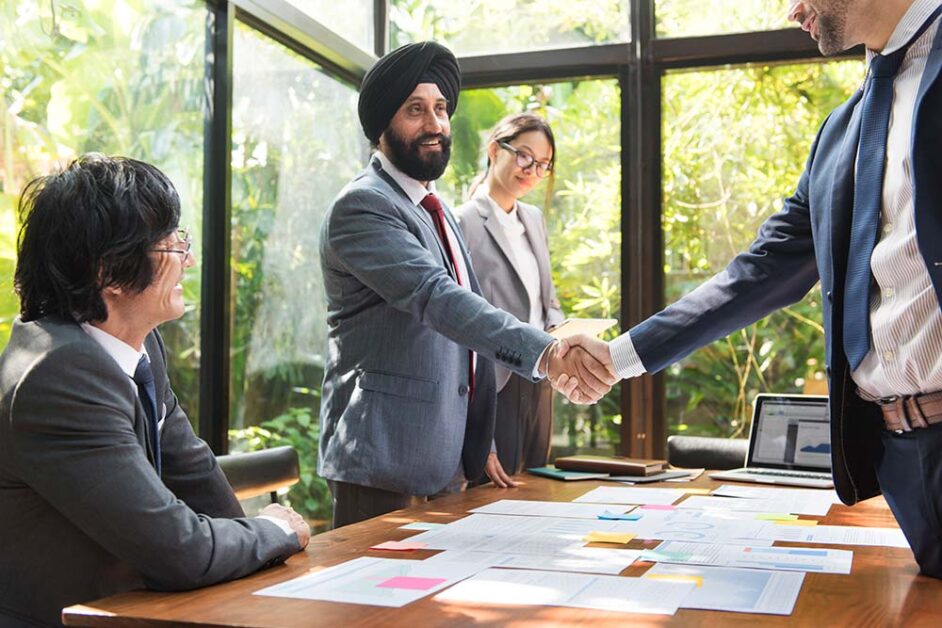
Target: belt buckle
{"points": [[901, 412]]}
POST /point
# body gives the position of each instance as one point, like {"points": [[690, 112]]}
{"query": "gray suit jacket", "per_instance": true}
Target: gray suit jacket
{"points": [[394, 408], [495, 263], [83, 513]]}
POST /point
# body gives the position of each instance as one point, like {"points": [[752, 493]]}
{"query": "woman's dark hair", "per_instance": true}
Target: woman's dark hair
{"points": [[510, 128], [87, 228]]}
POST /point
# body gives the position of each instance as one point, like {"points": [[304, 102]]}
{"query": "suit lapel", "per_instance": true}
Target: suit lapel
{"points": [[496, 231]]}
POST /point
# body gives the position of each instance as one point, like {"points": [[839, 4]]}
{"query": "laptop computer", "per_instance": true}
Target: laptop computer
{"points": [[789, 443]]}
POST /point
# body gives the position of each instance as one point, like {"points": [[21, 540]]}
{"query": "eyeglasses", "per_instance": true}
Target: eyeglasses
{"points": [[526, 160], [183, 237]]}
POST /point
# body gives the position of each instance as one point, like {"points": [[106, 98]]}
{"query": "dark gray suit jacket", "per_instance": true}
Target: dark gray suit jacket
{"points": [[394, 408], [83, 513], [495, 263]]}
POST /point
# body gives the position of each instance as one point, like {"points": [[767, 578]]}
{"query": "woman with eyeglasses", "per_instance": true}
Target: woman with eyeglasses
{"points": [[510, 253]]}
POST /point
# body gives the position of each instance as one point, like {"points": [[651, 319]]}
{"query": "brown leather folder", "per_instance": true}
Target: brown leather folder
{"points": [[615, 465]]}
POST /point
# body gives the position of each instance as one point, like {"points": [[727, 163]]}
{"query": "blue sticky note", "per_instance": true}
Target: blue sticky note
{"points": [[614, 516]]}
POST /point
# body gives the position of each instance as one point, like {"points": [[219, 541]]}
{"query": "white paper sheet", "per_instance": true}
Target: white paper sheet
{"points": [[547, 509], [577, 559], [758, 492], [631, 495], [795, 505], [374, 581], [808, 559], [698, 526], [836, 535], [735, 590], [546, 588], [512, 534]]}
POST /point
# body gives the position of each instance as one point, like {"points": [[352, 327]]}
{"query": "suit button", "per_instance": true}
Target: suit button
{"points": [[830, 297], [462, 390]]}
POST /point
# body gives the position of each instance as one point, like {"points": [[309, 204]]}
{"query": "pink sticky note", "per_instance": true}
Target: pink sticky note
{"points": [[658, 507], [400, 546], [411, 582]]}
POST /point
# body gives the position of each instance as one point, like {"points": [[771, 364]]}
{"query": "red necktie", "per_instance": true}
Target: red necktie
{"points": [[433, 206]]}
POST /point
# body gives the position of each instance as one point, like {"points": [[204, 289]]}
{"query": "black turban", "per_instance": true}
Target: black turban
{"points": [[395, 76]]}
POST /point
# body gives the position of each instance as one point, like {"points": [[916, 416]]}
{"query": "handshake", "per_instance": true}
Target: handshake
{"points": [[580, 367]]}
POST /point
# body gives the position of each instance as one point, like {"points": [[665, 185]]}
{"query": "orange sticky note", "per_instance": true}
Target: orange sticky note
{"points": [[677, 577], [608, 537]]}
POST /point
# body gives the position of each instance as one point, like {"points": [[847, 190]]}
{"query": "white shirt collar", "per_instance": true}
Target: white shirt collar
{"points": [[918, 12], [506, 218], [124, 354], [413, 189]]}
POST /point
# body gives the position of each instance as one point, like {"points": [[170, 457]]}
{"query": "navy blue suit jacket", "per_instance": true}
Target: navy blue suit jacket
{"points": [[808, 240]]}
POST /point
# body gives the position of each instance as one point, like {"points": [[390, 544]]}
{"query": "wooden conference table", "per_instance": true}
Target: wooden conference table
{"points": [[883, 588]]}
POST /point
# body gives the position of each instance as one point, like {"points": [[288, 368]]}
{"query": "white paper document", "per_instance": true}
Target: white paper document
{"points": [[546, 588], [512, 534], [578, 559], [632, 495], [809, 559], [794, 505], [374, 581], [547, 509], [699, 526], [734, 590], [836, 535], [758, 492]]}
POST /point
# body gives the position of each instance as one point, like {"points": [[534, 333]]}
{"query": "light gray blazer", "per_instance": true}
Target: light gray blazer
{"points": [[83, 513], [394, 408], [496, 267]]}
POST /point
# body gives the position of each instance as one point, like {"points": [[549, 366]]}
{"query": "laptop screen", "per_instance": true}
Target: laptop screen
{"points": [[790, 432]]}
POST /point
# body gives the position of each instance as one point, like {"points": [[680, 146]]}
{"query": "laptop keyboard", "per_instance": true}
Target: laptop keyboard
{"points": [[791, 474]]}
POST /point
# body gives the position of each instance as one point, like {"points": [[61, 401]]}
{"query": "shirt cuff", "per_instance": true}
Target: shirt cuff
{"points": [[537, 373], [624, 357], [281, 523]]}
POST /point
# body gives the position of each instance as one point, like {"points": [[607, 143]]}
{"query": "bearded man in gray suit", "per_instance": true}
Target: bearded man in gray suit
{"points": [[409, 389], [103, 485]]}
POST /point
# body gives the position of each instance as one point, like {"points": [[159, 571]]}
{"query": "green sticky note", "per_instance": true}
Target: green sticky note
{"points": [[771, 516]]}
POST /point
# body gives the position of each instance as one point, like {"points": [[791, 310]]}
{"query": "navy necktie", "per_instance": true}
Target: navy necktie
{"points": [[144, 378], [868, 195]]}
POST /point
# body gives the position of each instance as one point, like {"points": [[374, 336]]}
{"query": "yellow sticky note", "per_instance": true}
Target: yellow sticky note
{"points": [[697, 491], [608, 537], [771, 516], [676, 577], [798, 522]]}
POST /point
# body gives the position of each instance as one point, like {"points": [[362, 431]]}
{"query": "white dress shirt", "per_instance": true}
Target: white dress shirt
{"points": [[524, 257], [905, 320]]}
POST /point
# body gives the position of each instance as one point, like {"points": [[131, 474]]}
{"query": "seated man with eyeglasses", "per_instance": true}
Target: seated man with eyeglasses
{"points": [[103, 485]]}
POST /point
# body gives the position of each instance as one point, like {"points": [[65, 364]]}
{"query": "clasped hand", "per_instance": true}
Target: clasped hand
{"points": [[580, 367]]}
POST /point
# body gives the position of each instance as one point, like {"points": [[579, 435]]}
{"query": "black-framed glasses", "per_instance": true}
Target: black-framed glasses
{"points": [[526, 160], [183, 237]]}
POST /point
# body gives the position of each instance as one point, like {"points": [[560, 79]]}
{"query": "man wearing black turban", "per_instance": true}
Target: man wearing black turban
{"points": [[408, 401]]}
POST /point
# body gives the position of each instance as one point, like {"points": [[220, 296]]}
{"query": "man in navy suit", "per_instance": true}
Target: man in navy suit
{"points": [[865, 221]]}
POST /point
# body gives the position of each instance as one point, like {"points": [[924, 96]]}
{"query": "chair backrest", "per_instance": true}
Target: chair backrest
{"points": [[258, 472], [695, 452]]}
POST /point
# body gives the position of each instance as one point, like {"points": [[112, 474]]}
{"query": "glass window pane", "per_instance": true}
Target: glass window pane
{"points": [[583, 214], [735, 143], [351, 19], [494, 26], [121, 80], [692, 18], [296, 142]]}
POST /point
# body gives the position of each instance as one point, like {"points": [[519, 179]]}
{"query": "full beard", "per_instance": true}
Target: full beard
{"points": [[407, 155]]}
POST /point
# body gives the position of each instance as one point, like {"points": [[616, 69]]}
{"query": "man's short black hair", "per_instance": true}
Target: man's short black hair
{"points": [[87, 228]]}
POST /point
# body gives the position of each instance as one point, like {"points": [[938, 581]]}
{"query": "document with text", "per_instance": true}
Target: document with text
{"points": [[578, 559], [631, 495], [548, 509], [808, 559]]}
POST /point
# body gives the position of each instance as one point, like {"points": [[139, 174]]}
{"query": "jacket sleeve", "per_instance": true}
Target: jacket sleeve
{"points": [[76, 447], [777, 270], [367, 239]]}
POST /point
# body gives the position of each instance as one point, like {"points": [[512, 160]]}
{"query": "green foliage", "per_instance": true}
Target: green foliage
{"points": [[297, 427]]}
